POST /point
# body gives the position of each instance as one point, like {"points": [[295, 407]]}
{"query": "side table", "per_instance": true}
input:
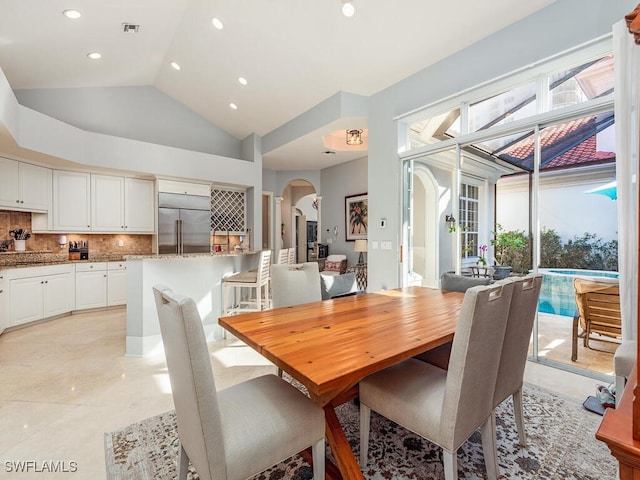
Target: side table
{"points": [[360, 269]]}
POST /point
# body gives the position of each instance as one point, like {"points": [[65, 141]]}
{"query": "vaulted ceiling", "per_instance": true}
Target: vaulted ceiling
{"points": [[293, 53]]}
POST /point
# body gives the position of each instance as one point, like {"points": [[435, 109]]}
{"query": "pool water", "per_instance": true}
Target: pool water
{"points": [[557, 295]]}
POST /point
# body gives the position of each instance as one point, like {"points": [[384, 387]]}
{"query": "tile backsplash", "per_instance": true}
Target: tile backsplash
{"points": [[98, 243]]}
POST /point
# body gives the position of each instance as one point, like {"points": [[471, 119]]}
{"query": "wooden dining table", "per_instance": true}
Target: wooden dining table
{"points": [[329, 346]]}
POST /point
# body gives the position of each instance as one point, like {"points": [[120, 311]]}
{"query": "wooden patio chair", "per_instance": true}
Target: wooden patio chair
{"points": [[598, 314]]}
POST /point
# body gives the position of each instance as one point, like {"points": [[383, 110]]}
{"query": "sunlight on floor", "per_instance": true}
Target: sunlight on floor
{"points": [[238, 356]]}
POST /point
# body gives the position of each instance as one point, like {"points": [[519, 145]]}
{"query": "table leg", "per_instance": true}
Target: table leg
{"points": [[346, 460]]}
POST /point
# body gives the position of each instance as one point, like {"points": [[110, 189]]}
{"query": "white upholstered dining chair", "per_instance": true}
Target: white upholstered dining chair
{"points": [[515, 346], [295, 284], [446, 407], [239, 431]]}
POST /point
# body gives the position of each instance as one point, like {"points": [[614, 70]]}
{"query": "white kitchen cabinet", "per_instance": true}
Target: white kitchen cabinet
{"points": [[4, 302], [116, 283], [39, 292], [139, 205], [24, 187], [186, 188], [71, 201], [122, 204], [107, 203], [91, 285]]}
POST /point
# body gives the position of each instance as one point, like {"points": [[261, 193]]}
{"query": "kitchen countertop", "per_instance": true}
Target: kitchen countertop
{"points": [[47, 257], [42, 258], [188, 255]]}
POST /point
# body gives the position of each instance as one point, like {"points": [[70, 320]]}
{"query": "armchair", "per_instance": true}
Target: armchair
{"points": [[333, 265]]}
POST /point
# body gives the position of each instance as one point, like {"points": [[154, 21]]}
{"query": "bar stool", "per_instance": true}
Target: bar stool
{"points": [[283, 256], [257, 280]]}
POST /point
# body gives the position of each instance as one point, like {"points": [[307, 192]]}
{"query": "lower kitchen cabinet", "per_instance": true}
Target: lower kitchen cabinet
{"points": [[100, 284], [4, 302], [91, 285], [40, 292], [116, 283]]}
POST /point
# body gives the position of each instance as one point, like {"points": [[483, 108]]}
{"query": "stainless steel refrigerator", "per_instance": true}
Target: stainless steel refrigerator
{"points": [[184, 223]]}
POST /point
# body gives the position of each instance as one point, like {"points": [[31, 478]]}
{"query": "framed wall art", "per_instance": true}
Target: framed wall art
{"points": [[356, 217]]}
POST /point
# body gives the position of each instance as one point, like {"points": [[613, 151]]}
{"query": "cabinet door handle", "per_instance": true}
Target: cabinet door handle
{"points": [[104, 275], [21, 201], [46, 281], [1, 290], [17, 201], [41, 282]]}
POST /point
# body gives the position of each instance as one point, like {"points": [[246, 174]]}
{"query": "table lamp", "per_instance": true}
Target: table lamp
{"points": [[361, 247]]}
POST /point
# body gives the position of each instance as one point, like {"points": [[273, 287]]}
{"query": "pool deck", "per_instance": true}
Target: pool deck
{"points": [[554, 343]]}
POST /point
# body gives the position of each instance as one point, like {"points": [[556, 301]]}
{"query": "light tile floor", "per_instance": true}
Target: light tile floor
{"points": [[66, 382]]}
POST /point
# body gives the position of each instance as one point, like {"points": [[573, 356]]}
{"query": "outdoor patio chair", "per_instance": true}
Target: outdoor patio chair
{"points": [[598, 315]]}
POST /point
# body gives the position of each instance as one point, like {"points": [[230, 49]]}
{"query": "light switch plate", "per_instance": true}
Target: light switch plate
{"points": [[387, 245], [374, 244]]}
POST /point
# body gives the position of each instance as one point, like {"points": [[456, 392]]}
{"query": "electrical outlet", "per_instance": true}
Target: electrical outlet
{"points": [[121, 243], [374, 244]]}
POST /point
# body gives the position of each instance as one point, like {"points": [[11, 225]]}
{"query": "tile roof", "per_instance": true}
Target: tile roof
{"points": [[564, 145]]}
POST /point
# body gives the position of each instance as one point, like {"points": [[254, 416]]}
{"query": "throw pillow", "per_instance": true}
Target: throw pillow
{"points": [[332, 266]]}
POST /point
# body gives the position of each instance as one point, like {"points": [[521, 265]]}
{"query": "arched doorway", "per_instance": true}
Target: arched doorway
{"points": [[300, 217], [422, 255]]}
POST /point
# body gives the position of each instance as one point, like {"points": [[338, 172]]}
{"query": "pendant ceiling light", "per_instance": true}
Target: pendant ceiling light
{"points": [[354, 136]]}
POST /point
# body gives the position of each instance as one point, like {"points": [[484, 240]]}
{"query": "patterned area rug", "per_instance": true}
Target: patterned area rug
{"points": [[560, 436]]}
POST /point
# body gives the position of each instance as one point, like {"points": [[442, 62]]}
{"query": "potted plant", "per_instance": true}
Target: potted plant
{"points": [[506, 245], [482, 259]]}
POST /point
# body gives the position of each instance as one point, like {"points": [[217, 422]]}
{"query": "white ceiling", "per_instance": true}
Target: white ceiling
{"points": [[294, 53]]}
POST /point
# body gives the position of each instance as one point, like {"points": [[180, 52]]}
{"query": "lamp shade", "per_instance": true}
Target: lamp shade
{"points": [[360, 246]]}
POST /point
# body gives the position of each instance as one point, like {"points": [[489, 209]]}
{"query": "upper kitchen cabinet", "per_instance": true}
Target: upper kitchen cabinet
{"points": [[139, 205], [24, 187], [122, 204], [71, 201]]}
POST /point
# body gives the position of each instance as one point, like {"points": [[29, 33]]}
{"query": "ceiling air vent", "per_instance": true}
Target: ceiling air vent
{"points": [[130, 27]]}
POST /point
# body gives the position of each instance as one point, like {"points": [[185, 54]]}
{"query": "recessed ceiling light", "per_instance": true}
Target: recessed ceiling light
{"points": [[348, 10], [233, 106], [242, 80], [72, 14], [217, 23], [94, 55], [175, 66]]}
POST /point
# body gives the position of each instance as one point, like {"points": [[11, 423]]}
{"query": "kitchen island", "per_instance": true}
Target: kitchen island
{"points": [[196, 275]]}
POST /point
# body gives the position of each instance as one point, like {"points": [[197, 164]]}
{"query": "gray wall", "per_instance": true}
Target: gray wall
{"points": [[338, 182], [140, 113], [556, 28]]}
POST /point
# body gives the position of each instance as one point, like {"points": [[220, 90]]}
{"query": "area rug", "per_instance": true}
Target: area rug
{"points": [[560, 436]]}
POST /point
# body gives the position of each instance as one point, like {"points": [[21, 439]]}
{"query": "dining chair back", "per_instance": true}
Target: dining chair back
{"points": [[446, 407], [239, 431], [291, 255], [522, 314], [295, 284]]}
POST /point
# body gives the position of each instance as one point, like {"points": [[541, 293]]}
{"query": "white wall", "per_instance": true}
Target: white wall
{"points": [[564, 205]]}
